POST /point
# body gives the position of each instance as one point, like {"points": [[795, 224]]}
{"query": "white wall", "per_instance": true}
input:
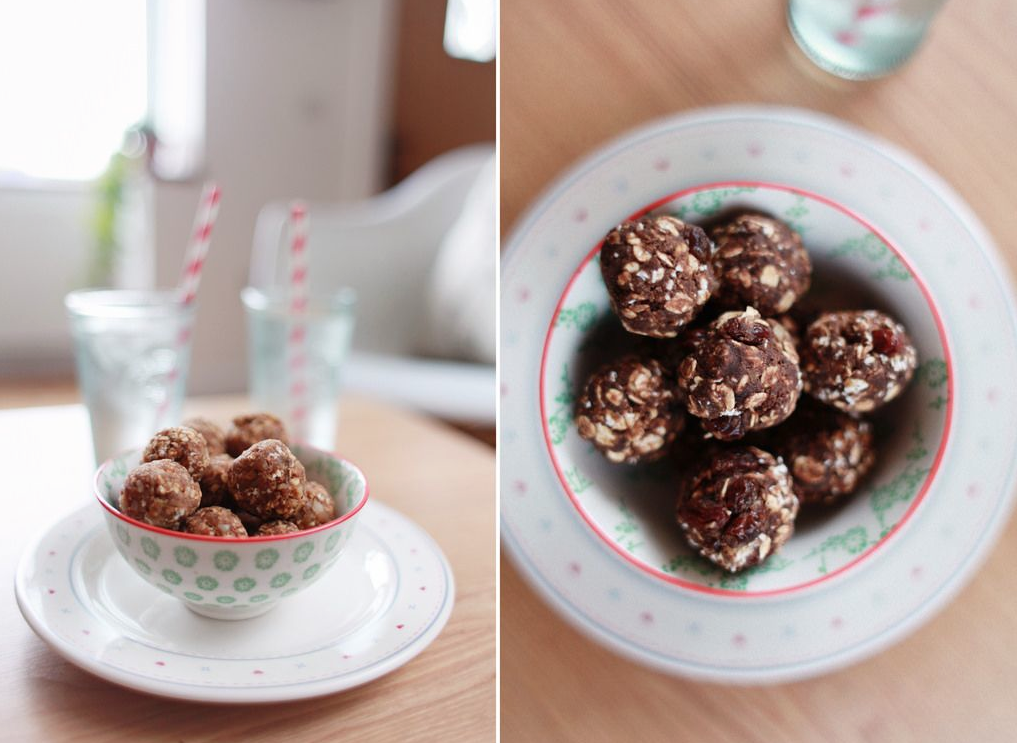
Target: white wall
{"points": [[43, 254], [297, 105]]}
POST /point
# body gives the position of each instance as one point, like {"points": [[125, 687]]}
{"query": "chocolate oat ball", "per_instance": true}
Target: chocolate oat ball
{"points": [[828, 452], [274, 528], [251, 522], [792, 325], [183, 445], [215, 437], [215, 521], [268, 481], [160, 493], [857, 361], [215, 488], [759, 261], [739, 508], [319, 508], [248, 430], [671, 352], [657, 272], [741, 376], [628, 410]]}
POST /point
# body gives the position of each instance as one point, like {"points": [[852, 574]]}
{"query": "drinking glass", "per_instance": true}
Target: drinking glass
{"points": [[327, 331], [860, 39], [132, 352]]}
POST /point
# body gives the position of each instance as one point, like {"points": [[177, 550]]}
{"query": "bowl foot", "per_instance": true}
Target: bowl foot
{"points": [[230, 613]]}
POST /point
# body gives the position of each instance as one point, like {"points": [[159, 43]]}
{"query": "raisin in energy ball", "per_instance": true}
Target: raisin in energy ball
{"points": [[214, 436], [828, 452], [857, 361], [215, 488], [628, 411], [741, 376], [248, 430], [318, 509], [160, 493], [739, 508], [268, 481], [759, 261], [215, 521], [275, 528], [183, 445], [657, 272]]}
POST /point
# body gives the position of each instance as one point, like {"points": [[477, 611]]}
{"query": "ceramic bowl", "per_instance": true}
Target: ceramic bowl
{"points": [[234, 578], [630, 509]]}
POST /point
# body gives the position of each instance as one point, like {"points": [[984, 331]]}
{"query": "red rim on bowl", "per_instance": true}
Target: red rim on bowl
{"points": [[271, 538], [915, 502]]}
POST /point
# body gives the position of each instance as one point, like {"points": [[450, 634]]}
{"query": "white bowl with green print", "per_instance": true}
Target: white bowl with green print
{"points": [[630, 508], [234, 578]]}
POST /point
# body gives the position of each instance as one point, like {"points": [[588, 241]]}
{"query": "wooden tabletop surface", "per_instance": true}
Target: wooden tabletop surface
{"points": [[440, 478], [576, 73]]}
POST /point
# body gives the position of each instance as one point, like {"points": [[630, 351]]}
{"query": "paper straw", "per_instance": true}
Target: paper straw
{"points": [[197, 247], [296, 346], [190, 278]]}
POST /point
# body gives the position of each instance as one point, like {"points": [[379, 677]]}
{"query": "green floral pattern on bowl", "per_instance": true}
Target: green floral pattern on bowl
{"points": [[235, 579], [631, 507]]}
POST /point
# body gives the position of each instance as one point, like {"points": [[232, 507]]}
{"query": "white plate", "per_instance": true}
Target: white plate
{"points": [[758, 637], [387, 599]]}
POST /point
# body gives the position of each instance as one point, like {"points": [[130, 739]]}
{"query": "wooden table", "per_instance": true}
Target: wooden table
{"points": [[438, 477], [578, 72]]}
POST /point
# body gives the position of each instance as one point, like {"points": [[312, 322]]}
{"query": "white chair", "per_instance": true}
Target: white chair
{"points": [[384, 248]]}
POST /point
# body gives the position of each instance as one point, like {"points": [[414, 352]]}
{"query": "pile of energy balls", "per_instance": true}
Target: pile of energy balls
{"points": [[739, 365], [243, 482]]}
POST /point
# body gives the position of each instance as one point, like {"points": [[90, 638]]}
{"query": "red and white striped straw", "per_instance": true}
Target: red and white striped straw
{"points": [[296, 346], [197, 247], [190, 278]]}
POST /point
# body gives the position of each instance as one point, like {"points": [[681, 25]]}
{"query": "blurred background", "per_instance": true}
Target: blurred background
{"points": [[379, 113]]}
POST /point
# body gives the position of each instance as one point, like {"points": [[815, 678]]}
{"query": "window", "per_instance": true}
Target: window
{"points": [[73, 77]]}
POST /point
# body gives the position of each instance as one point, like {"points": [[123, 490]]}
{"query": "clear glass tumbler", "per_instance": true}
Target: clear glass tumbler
{"points": [[132, 350], [328, 324], [860, 39]]}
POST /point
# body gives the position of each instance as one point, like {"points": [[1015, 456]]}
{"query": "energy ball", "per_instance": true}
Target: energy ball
{"points": [[670, 352], [629, 412], [215, 522], [183, 445], [857, 361], [657, 272], [268, 481], [739, 508], [827, 451], [759, 261], [741, 376], [215, 488], [318, 509], [251, 522], [275, 528], [792, 325], [215, 437], [160, 493], [248, 430]]}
